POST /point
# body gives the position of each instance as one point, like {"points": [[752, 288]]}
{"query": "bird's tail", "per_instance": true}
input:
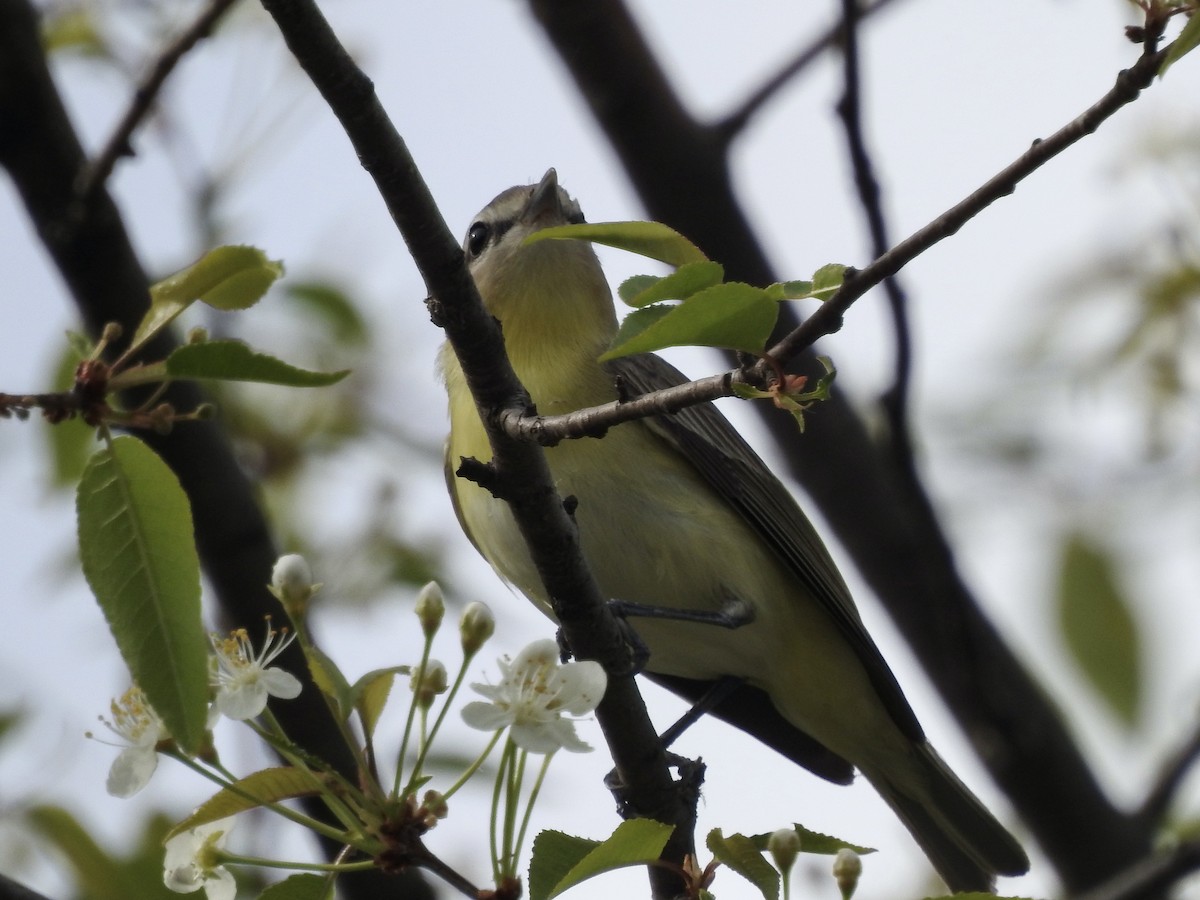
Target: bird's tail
{"points": [[965, 843]]}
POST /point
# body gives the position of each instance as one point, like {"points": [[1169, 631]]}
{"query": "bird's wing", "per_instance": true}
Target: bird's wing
{"points": [[736, 472]]}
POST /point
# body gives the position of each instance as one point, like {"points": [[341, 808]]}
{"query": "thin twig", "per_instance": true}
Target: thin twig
{"points": [[1177, 766], [733, 123], [118, 144], [849, 109]]}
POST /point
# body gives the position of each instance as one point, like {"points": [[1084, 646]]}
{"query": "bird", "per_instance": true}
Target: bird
{"points": [[678, 513]]}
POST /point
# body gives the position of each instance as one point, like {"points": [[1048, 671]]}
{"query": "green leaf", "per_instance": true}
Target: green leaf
{"points": [[224, 278], [1098, 627], [814, 842], [1188, 40], [333, 307], [652, 239], [827, 279], [234, 361], [685, 281], [70, 442], [302, 886], [259, 789], [139, 557], [634, 285], [370, 693], [739, 853], [99, 875], [329, 679], [561, 861], [734, 315]]}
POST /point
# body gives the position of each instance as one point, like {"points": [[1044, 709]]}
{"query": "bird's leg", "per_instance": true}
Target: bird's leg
{"points": [[712, 698], [734, 612]]}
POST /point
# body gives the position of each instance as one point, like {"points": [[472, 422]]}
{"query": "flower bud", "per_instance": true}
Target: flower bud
{"points": [[784, 845], [435, 804], [476, 626], [430, 608], [427, 683], [292, 584], [846, 869]]}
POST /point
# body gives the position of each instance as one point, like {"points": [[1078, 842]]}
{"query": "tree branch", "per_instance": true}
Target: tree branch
{"points": [[520, 467], [96, 173]]}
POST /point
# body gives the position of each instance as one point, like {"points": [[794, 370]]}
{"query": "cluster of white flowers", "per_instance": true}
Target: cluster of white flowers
{"points": [[533, 698]]}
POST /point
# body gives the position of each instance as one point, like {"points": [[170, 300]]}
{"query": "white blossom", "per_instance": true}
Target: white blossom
{"points": [[136, 722], [244, 679], [192, 861], [534, 693]]}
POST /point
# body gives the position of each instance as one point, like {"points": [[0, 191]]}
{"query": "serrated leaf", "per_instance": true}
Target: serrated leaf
{"points": [[258, 789], [561, 861], [1100, 632], [634, 285], [1188, 40], [370, 693], [334, 308], [735, 316], [302, 886], [139, 557], [235, 361], [685, 281], [739, 853], [234, 277], [814, 842], [652, 239]]}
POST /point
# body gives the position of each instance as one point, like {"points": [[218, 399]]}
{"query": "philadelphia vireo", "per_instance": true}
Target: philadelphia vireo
{"points": [[678, 512]]}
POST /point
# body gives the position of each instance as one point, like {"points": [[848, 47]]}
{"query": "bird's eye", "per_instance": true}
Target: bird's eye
{"points": [[477, 238]]}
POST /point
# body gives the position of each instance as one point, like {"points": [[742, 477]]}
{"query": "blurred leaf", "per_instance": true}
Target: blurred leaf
{"points": [[259, 789], [333, 307], [72, 28], [685, 281], [139, 557], [99, 875], [561, 861], [233, 277], [235, 361], [1188, 40], [652, 239], [734, 316], [1098, 627], [814, 842], [739, 853], [329, 679], [303, 886]]}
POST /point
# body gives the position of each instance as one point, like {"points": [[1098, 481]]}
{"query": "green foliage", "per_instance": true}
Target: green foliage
{"points": [[561, 861], [652, 239], [688, 279], [303, 886], [225, 278], [261, 788], [333, 307], [70, 442], [234, 361], [98, 874], [1188, 40], [1099, 630], [814, 842], [139, 557], [741, 855], [370, 693]]}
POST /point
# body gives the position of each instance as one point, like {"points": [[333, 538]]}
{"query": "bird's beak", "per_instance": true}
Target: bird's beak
{"points": [[544, 205]]}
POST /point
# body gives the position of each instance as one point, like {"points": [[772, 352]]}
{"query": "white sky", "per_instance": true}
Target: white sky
{"points": [[954, 92]]}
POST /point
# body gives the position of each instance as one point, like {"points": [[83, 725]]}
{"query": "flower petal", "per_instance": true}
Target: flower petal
{"points": [[131, 770], [486, 716]]}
